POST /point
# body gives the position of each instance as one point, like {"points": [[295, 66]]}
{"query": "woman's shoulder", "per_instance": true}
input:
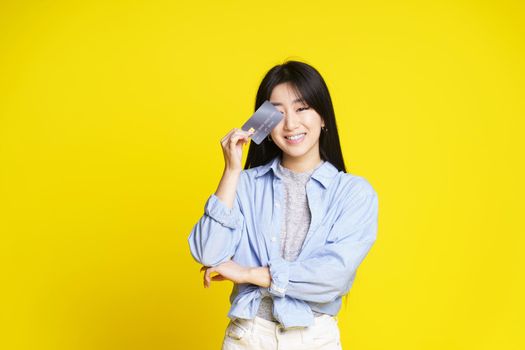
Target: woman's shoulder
{"points": [[354, 185], [251, 173], [246, 179], [248, 175]]}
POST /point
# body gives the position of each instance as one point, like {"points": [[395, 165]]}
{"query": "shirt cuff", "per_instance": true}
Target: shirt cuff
{"points": [[279, 273], [219, 211]]}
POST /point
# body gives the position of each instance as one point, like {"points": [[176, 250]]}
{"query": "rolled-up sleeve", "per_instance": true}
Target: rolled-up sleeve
{"points": [[214, 238], [329, 271], [217, 210]]}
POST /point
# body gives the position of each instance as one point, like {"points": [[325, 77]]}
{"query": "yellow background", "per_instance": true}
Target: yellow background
{"points": [[111, 114]]}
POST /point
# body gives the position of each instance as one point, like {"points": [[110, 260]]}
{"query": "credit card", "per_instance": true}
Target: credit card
{"points": [[265, 118]]}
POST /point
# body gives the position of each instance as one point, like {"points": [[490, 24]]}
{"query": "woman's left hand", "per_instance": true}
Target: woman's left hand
{"points": [[228, 270]]}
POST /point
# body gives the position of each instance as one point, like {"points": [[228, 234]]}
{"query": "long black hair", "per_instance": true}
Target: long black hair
{"points": [[308, 84]]}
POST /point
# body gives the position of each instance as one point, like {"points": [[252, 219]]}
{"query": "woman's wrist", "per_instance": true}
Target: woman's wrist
{"points": [[259, 276]]}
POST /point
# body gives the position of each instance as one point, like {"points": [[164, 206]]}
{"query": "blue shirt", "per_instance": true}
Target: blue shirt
{"points": [[342, 230]]}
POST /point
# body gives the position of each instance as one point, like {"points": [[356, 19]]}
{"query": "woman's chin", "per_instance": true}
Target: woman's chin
{"points": [[294, 152]]}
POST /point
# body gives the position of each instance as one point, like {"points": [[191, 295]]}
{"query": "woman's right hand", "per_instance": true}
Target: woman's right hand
{"points": [[232, 145]]}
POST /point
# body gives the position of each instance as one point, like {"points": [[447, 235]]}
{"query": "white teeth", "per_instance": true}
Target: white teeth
{"points": [[295, 137]]}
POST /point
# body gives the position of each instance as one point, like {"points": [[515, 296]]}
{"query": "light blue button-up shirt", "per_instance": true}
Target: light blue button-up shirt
{"points": [[342, 230]]}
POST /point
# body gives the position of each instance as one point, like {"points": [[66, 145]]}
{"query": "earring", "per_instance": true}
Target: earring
{"points": [[325, 129], [269, 138]]}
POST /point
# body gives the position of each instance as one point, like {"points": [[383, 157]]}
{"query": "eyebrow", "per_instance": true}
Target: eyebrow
{"points": [[294, 101]]}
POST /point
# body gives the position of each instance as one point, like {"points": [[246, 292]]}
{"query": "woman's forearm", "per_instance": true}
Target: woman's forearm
{"points": [[259, 276], [228, 186]]}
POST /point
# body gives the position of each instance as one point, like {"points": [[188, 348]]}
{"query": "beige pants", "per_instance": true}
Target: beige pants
{"points": [[265, 335]]}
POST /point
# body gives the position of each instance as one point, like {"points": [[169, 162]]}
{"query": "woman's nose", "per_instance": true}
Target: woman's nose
{"points": [[290, 121]]}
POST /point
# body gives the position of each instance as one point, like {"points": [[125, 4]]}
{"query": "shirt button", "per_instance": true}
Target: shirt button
{"points": [[277, 205], [273, 239]]}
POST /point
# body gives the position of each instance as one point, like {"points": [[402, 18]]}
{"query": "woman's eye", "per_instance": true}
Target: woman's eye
{"points": [[303, 108]]}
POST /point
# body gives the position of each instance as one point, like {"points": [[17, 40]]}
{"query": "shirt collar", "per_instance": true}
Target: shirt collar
{"points": [[324, 174]]}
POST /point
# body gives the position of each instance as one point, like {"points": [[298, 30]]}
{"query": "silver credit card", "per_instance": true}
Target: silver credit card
{"points": [[265, 118]]}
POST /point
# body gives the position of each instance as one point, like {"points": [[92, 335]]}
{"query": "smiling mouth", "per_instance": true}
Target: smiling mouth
{"points": [[295, 137]]}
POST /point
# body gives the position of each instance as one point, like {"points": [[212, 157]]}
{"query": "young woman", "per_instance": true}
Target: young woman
{"points": [[292, 227]]}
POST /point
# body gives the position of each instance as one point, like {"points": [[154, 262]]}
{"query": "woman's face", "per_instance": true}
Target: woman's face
{"points": [[299, 120]]}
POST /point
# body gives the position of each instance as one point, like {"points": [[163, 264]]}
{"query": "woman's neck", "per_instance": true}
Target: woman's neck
{"points": [[300, 165]]}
